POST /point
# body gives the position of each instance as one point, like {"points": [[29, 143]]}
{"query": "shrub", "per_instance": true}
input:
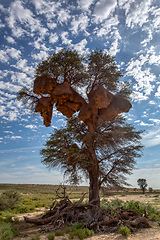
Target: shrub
{"points": [[51, 236], [124, 230], [7, 232], [9, 200], [25, 209], [67, 229], [81, 233], [37, 237], [59, 233]]}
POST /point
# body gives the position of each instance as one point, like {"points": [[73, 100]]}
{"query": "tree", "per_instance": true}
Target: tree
{"points": [[142, 183], [90, 87], [116, 145]]}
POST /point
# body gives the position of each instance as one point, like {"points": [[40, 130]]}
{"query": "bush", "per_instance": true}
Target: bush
{"points": [[67, 229], [37, 237], [9, 200], [59, 233], [7, 232], [51, 236], [124, 230], [81, 233]]}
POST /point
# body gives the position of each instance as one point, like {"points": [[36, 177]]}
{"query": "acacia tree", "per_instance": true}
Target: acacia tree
{"points": [[59, 82], [142, 183], [116, 145]]}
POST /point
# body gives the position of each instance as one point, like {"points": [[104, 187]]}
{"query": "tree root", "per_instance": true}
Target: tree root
{"points": [[65, 213]]}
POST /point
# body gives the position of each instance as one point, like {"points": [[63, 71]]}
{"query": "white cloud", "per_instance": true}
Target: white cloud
{"points": [[22, 64], [2, 110], [152, 102], [157, 121], [19, 14], [108, 26], [53, 38], [103, 9], [151, 137], [143, 76], [42, 55], [3, 56], [47, 8], [84, 4], [14, 53], [157, 94], [31, 126], [9, 86], [12, 116], [10, 40], [8, 53], [51, 25], [64, 37], [80, 47], [15, 137], [137, 12], [138, 96], [79, 23], [63, 16]]}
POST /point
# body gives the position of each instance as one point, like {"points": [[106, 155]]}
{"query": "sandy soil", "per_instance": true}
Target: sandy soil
{"points": [[142, 234]]}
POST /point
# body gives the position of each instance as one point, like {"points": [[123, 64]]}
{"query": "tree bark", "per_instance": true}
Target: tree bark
{"points": [[94, 170], [94, 188]]}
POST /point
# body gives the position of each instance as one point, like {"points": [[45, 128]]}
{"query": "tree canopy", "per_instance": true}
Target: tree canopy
{"points": [[116, 145], [142, 183]]}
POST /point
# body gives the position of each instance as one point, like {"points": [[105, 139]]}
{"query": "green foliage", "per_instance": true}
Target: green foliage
{"points": [[67, 229], [116, 144], [37, 237], [65, 65], [124, 230], [153, 214], [51, 236], [7, 231], [59, 233], [81, 233], [142, 183], [9, 200]]}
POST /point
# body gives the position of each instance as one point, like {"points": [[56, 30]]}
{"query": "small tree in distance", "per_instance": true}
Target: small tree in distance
{"points": [[142, 183]]}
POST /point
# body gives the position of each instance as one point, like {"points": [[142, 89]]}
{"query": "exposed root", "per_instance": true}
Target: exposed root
{"points": [[65, 213]]}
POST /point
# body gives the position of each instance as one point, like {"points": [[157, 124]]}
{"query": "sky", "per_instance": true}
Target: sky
{"points": [[31, 30]]}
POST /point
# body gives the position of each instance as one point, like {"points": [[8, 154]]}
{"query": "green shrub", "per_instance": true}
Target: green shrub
{"points": [[81, 233], [51, 236], [59, 233], [124, 230], [135, 205], [71, 235], [25, 209], [7, 232], [67, 229], [9, 200], [37, 237]]}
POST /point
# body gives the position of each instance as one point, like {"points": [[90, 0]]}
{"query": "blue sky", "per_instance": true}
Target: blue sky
{"points": [[30, 30]]}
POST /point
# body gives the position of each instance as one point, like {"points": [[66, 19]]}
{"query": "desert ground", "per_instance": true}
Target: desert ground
{"points": [[142, 234]]}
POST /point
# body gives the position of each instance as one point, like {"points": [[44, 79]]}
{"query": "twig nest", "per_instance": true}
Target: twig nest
{"points": [[44, 84]]}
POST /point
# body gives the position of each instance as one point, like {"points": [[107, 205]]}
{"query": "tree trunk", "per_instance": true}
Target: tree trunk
{"points": [[94, 171], [94, 188], [143, 189]]}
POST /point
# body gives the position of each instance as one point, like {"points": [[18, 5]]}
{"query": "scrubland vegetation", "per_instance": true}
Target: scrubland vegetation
{"points": [[16, 199]]}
